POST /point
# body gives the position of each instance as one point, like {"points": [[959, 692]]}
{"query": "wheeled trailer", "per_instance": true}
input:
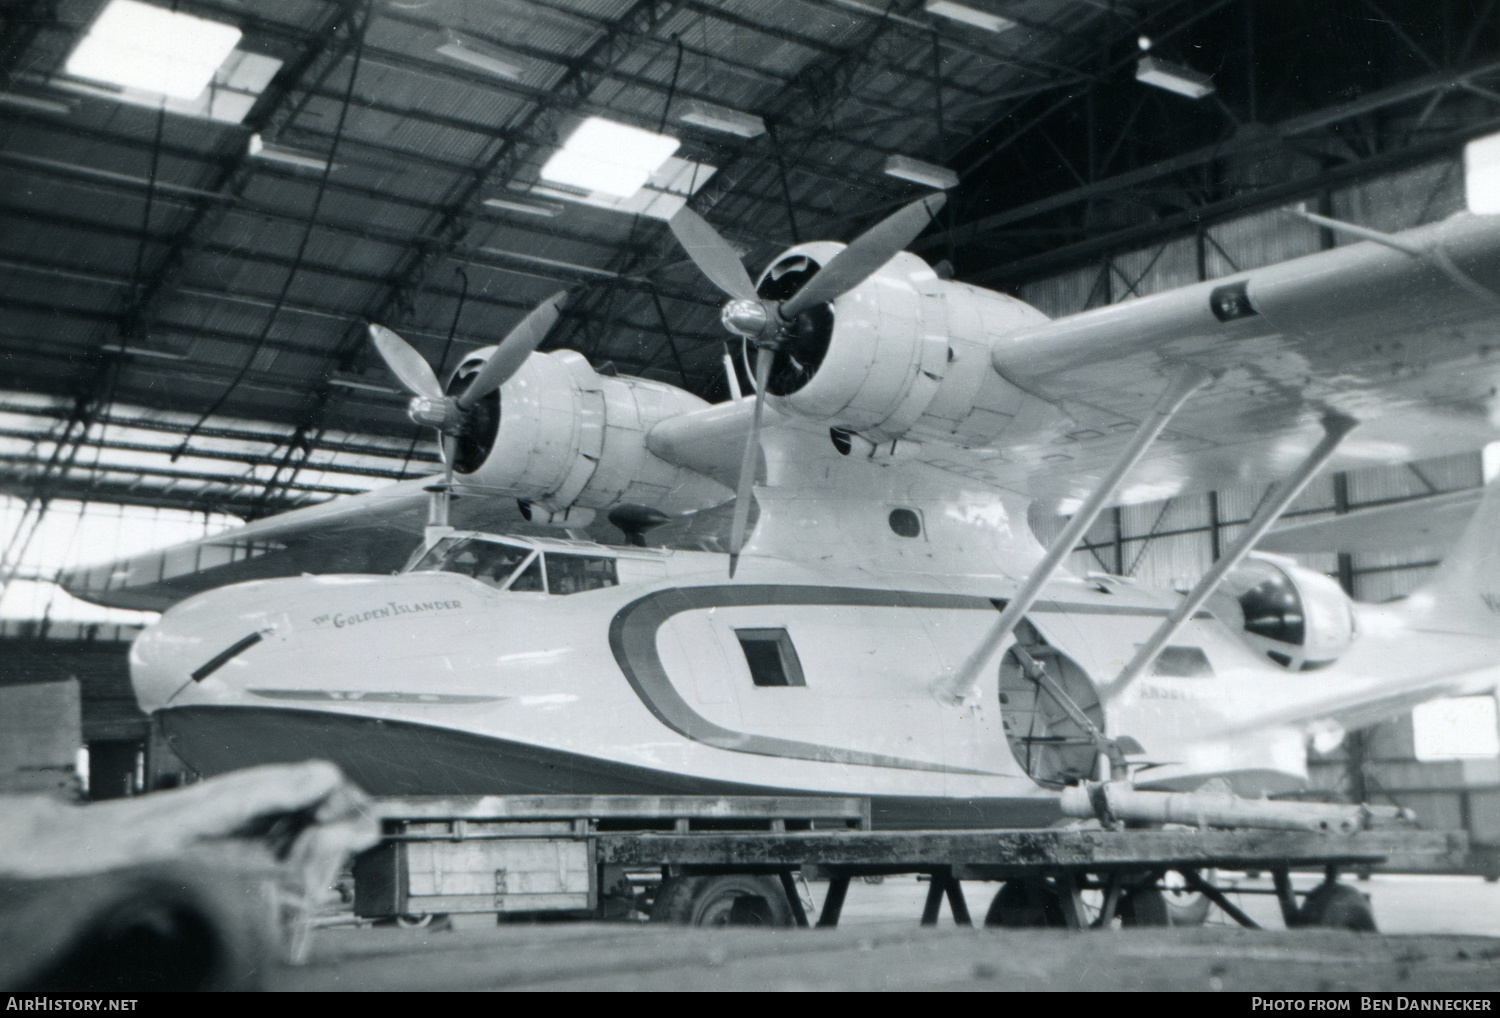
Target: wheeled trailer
{"points": [[730, 860]]}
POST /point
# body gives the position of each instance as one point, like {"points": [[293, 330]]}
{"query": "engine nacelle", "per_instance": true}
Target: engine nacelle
{"points": [[1295, 616], [902, 353], [562, 437]]}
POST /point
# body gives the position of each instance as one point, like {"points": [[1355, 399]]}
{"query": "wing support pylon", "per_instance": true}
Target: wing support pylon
{"points": [[1335, 427], [958, 686]]}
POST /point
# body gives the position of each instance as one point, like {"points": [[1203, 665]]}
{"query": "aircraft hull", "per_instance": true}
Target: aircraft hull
{"points": [[387, 757], [431, 683]]}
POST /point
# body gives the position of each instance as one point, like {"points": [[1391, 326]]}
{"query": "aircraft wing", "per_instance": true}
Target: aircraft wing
{"points": [[1432, 522], [371, 533], [1407, 343]]}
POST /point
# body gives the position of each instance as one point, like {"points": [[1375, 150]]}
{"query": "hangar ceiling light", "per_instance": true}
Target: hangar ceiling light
{"points": [[259, 149], [547, 210], [138, 45], [968, 15], [1173, 77], [717, 118], [939, 178], [457, 46], [602, 155]]}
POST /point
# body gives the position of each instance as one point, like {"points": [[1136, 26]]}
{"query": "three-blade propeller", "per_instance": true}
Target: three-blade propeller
{"points": [[450, 414], [765, 323]]}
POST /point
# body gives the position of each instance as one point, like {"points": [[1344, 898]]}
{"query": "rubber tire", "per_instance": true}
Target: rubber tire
{"points": [[1026, 903], [734, 899], [1337, 907], [1144, 907]]}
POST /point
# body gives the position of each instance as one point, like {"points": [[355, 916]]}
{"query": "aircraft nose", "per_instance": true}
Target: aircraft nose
{"points": [[159, 663]]}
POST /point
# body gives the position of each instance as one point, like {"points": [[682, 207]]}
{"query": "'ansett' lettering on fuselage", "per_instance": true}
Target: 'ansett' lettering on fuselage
{"points": [[389, 611]]}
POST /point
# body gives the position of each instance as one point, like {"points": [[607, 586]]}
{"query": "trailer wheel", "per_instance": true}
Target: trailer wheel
{"points": [[1026, 903], [1339, 907], [731, 900], [1146, 906]]}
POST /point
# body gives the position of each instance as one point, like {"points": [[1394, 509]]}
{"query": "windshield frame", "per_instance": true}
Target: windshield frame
{"points": [[453, 540]]}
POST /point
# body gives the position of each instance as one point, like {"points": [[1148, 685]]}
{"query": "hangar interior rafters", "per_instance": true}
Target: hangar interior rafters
{"points": [[185, 282]]}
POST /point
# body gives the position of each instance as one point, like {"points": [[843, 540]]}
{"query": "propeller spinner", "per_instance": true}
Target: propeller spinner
{"points": [[768, 324]]}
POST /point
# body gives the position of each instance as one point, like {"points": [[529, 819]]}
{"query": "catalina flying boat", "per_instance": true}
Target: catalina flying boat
{"points": [[831, 585]]}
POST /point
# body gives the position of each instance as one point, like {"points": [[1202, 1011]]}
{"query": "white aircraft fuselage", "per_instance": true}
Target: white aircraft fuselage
{"points": [[435, 682]]}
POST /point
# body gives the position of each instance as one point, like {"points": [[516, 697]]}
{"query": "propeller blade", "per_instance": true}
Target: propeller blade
{"points": [[712, 254], [742, 498], [405, 363], [514, 349], [864, 255]]}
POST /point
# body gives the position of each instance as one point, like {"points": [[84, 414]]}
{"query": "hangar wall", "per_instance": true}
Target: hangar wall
{"points": [[1172, 543]]}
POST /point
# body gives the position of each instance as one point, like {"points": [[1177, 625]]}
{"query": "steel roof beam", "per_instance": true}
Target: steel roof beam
{"points": [[343, 317], [423, 453], [172, 473], [1035, 266], [1277, 133], [232, 176], [114, 493], [198, 452]]}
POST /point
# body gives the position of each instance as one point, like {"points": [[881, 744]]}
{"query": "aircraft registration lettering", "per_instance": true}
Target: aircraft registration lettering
{"points": [[387, 611], [1153, 692]]}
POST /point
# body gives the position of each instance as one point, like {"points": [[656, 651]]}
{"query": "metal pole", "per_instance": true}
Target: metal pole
{"points": [[958, 685], [1335, 427]]}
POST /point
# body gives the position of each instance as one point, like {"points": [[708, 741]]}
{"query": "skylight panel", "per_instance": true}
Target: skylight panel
{"points": [[141, 46], [664, 192], [602, 155]]}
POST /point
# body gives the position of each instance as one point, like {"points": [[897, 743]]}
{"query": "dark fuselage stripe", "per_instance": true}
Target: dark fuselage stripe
{"points": [[224, 656]]}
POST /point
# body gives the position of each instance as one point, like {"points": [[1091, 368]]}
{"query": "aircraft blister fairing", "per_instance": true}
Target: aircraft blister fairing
{"points": [[889, 626]]}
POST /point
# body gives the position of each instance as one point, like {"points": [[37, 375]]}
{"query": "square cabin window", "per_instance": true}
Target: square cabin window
{"points": [[573, 574], [771, 657]]}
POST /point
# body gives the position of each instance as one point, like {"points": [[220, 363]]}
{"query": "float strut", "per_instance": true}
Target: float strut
{"points": [[959, 685], [438, 497], [1335, 427]]}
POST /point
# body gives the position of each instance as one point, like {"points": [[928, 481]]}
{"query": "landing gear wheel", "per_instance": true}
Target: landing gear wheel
{"points": [[414, 921], [1144, 907], [1026, 903], [1337, 907], [730, 900]]}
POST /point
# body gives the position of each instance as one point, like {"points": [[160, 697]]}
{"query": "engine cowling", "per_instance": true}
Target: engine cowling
{"points": [[1297, 617], [559, 435], [903, 352]]}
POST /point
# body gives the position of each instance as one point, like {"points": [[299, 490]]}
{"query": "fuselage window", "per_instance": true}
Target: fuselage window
{"points": [[771, 657], [905, 523], [486, 561], [1182, 663], [572, 574]]}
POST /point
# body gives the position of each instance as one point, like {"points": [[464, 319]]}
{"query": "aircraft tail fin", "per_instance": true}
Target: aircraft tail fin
{"points": [[1464, 595]]}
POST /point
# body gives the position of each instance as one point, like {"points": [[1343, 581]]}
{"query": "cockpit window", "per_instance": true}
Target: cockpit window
{"points": [[489, 562], [530, 578], [572, 574]]}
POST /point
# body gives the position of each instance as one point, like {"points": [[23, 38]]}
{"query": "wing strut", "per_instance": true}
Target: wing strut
{"points": [[959, 685], [1335, 426]]}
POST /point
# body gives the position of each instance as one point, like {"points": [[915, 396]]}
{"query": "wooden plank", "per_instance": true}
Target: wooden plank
{"points": [[997, 854]]}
